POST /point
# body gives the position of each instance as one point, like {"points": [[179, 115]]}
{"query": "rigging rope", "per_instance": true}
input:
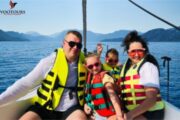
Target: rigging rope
{"points": [[155, 15]]}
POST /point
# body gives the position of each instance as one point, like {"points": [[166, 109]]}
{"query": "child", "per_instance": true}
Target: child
{"points": [[112, 65], [111, 62], [101, 98]]}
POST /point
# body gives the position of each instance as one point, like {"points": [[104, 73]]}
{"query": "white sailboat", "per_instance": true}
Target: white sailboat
{"points": [[15, 109]]}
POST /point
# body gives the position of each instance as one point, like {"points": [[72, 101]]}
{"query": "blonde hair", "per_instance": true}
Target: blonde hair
{"points": [[90, 54]]}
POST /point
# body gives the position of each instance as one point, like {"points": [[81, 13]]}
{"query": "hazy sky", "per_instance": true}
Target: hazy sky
{"points": [[103, 16]]}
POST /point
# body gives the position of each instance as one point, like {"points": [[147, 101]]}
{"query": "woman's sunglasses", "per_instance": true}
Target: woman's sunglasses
{"points": [[136, 51], [95, 64], [72, 44]]}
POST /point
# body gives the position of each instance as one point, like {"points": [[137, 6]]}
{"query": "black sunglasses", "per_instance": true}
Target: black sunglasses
{"points": [[72, 44], [112, 61]]}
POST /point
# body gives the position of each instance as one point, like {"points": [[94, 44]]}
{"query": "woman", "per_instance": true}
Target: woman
{"points": [[140, 81]]}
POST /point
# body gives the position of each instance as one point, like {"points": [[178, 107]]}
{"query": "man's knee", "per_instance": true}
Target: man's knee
{"points": [[77, 115], [30, 116]]}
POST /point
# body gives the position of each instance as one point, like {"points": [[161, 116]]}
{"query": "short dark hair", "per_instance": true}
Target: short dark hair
{"points": [[113, 51], [76, 33]]}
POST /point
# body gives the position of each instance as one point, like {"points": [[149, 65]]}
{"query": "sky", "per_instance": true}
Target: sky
{"points": [[103, 16]]}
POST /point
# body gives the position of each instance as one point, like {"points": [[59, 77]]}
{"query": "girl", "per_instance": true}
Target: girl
{"points": [[101, 98]]}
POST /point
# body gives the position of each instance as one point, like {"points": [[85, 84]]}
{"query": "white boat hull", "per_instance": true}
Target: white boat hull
{"points": [[15, 109], [171, 112]]}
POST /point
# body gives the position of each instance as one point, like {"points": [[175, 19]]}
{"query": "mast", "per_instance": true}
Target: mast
{"points": [[84, 24]]}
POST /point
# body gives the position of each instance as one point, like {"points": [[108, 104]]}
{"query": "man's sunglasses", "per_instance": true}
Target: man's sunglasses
{"points": [[72, 44], [95, 64]]}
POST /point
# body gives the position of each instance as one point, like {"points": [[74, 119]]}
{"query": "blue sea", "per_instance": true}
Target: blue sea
{"points": [[18, 58]]}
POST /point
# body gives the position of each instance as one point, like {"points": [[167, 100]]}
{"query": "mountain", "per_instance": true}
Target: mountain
{"points": [[162, 35], [117, 34], [32, 33], [154, 35], [59, 35], [112, 40], [16, 36], [92, 36], [11, 36], [36, 36]]}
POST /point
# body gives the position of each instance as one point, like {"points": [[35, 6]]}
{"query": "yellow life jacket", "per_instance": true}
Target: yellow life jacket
{"points": [[52, 87], [132, 92], [114, 72]]}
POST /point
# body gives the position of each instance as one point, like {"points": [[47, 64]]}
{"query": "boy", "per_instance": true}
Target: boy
{"points": [[111, 63]]}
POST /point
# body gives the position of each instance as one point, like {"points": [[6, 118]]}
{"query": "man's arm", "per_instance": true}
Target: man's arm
{"points": [[26, 83]]}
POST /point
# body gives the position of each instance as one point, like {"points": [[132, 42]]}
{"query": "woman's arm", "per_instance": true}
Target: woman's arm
{"points": [[150, 80]]}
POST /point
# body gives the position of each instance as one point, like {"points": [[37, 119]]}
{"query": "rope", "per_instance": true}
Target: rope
{"points": [[155, 15]]}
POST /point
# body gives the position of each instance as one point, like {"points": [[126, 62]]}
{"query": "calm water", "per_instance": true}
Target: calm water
{"points": [[19, 58]]}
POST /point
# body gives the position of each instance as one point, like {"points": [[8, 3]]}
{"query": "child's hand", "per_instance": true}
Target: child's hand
{"points": [[99, 49], [120, 118], [89, 112], [87, 109], [119, 65], [116, 117]]}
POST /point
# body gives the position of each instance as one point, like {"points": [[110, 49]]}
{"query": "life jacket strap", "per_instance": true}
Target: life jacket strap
{"points": [[90, 97], [101, 106], [97, 85]]}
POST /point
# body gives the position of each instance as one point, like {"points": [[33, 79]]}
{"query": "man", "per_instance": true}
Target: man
{"points": [[61, 77]]}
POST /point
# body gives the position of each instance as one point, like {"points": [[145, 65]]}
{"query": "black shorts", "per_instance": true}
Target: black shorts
{"points": [[154, 115], [52, 115]]}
